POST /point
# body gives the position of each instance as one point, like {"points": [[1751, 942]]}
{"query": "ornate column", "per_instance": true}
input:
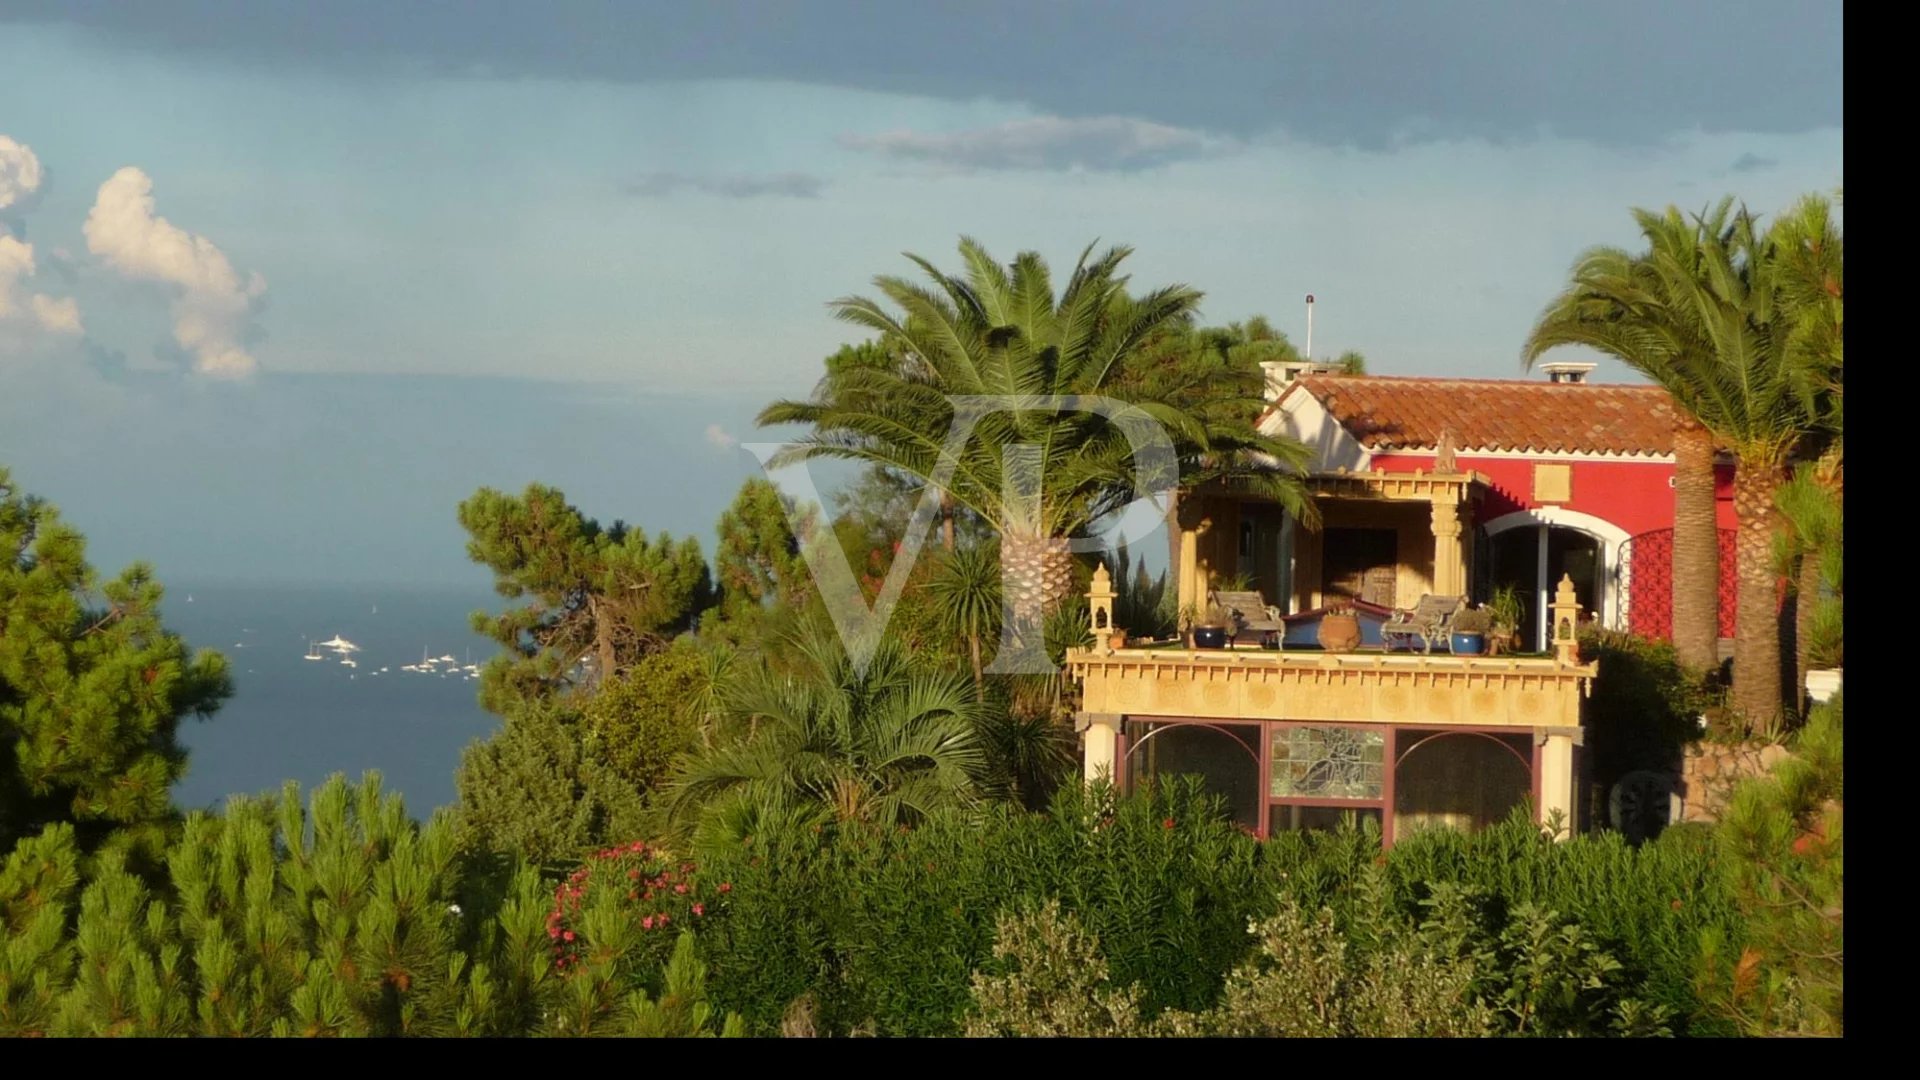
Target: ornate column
{"points": [[1102, 731], [1190, 584], [1449, 562], [1557, 779]]}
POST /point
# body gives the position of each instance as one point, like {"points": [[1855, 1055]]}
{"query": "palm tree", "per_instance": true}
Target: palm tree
{"points": [[1623, 304], [1001, 331], [883, 744], [1700, 314], [1809, 273], [967, 590]]}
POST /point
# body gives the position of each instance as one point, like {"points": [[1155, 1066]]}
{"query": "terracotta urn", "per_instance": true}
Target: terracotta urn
{"points": [[1117, 639], [1339, 631]]}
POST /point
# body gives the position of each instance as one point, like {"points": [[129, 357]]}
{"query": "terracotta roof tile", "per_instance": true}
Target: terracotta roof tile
{"points": [[1399, 413]]}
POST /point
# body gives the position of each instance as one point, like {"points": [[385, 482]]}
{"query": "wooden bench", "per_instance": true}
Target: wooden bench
{"points": [[1250, 611], [1430, 620]]}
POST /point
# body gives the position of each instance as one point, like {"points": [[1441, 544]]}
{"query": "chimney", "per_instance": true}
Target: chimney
{"points": [[1566, 371]]}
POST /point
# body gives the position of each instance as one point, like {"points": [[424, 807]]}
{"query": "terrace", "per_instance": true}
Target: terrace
{"points": [[1295, 738]]}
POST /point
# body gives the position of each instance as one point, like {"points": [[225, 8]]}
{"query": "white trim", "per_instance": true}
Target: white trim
{"points": [[1302, 417], [1610, 596]]}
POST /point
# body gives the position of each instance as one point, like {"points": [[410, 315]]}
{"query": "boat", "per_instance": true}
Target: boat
{"points": [[311, 654], [349, 662], [340, 644]]}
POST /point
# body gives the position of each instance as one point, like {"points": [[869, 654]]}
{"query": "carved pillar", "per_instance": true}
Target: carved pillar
{"points": [[1557, 781], [1101, 746], [1190, 576], [1449, 560]]}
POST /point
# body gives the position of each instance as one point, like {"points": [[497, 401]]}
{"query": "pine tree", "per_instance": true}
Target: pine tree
{"points": [[92, 689], [1781, 843], [600, 598], [535, 791], [758, 565]]}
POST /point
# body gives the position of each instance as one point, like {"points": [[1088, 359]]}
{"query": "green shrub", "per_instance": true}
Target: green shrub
{"points": [[1645, 706]]}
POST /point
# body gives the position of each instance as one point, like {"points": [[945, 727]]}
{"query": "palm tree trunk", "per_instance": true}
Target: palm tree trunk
{"points": [[979, 677], [1696, 549], [1039, 574], [946, 519], [1756, 634], [1806, 600]]}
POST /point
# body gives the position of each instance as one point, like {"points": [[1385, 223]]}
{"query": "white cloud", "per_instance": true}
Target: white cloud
{"points": [[20, 173], [1097, 143], [719, 437], [22, 310], [211, 304]]}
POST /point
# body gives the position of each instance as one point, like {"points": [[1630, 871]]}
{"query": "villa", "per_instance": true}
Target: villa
{"points": [[1560, 489]]}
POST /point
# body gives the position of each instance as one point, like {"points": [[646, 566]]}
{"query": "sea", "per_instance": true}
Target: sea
{"points": [[293, 718]]}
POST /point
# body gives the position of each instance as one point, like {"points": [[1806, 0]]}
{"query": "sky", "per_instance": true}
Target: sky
{"points": [[281, 283]]}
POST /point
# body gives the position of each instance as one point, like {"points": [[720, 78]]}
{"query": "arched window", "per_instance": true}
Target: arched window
{"points": [[1531, 550]]}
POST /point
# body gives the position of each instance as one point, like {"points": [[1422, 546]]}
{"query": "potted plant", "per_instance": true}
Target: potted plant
{"points": [[1507, 611], [1117, 638], [1469, 634], [1212, 634], [1339, 626]]}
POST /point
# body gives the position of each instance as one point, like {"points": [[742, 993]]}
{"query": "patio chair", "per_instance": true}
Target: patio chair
{"points": [[1428, 621], [1250, 611]]}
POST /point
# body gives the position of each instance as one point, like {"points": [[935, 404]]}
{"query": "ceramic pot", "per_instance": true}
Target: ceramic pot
{"points": [[1209, 637], [1466, 644], [1339, 632]]}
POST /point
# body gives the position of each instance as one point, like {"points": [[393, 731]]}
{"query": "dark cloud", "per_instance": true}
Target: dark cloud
{"points": [[1751, 163], [657, 185], [1049, 142], [111, 364], [1365, 72]]}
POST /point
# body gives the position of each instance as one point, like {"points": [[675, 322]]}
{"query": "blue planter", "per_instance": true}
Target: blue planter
{"points": [[1467, 644], [1210, 637]]}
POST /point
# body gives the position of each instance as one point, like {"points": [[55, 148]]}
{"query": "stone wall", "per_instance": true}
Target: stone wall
{"points": [[1709, 772]]}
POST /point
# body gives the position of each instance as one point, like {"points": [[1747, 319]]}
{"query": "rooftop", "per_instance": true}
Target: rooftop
{"points": [[1387, 413]]}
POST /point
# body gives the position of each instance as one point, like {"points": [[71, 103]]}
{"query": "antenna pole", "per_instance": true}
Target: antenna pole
{"points": [[1309, 327]]}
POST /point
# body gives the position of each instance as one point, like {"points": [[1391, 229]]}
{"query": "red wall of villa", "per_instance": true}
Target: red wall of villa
{"points": [[1634, 496]]}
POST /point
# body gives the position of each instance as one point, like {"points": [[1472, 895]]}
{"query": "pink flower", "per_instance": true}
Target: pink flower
{"points": [[646, 923], [681, 889], [568, 936], [699, 909], [633, 875], [726, 886], [638, 846], [1167, 824], [554, 932]]}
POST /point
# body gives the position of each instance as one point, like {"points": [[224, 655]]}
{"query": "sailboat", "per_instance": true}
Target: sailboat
{"points": [[340, 644], [311, 654]]}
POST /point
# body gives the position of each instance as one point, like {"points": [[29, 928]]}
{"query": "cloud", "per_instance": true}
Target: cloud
{"points": [[1328, 72], [1099, 143], [657, 185], [719, 437], [22, 313], [20, 173], [1751, 163], [212, 306]]}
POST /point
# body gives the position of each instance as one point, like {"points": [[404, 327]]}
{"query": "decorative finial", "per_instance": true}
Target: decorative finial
{"points": [[1443, 458], [1566, 620], [1100, 610]]}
